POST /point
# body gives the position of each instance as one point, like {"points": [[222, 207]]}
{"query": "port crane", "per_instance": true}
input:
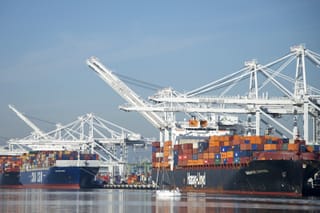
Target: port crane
{"points": [[303, 100], [38, 133], [88, 133], [161, 122]]}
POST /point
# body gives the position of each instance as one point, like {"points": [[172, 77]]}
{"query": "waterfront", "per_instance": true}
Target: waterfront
{"points": [[140, 201]]}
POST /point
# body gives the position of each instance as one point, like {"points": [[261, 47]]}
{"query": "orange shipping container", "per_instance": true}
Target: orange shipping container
{"points": [[236, 142], [167, 148], [206, 155], [191, 162], [270, 147], [214, 138], [167, 143], [293, 147], [164, 164], [193, 123], [230, 154], [156, 165], [237, 137], [203, 123], [224, 155], [214, 143], [226, 138], [310, 148], [245, 146], [200, 162], [257, 139], [195, 162], [166, 153], [211, 155], [226, 143]]}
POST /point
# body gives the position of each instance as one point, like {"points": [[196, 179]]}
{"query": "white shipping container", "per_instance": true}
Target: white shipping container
{"points": [[159, 154]]}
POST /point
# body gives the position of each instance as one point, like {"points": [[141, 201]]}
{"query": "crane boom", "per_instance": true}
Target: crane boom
{"points": [[28, 122], [125, 92]]}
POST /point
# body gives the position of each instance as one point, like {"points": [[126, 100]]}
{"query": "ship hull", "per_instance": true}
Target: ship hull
{"points": [[260, 177], [51, 178]]}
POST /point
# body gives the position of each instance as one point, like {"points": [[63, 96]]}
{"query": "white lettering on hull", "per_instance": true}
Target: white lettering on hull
{"points": [[196, 180], [253, 172], [36, 177]]}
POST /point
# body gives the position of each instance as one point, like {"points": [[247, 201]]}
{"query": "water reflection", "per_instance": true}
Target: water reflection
{"points": [[100, 200], [197, 202]]}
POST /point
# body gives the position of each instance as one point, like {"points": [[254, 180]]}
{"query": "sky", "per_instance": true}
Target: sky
{"points": [[183, 44]]}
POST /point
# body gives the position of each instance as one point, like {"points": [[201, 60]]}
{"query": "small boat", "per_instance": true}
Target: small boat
{"points": [[166, 193]]}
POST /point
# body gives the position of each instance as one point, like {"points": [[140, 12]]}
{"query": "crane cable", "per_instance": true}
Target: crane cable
{"points": [[139, 83]]}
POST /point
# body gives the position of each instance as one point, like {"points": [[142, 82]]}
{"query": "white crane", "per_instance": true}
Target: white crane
{"points": [[89, 133], [130, 96], [38, 132], [302, 100]]}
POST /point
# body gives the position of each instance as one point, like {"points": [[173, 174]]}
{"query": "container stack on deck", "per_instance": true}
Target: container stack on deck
{"points": [[40, 159], [231, 150], [10, 163]]}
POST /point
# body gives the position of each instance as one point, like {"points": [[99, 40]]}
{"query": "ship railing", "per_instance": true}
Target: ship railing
{"points": [[34, 167], [79, 163]]}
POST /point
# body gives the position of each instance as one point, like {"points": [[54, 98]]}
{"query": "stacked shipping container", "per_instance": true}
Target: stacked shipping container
{"points": [[10, 163], [231, 150], [40, 159]]}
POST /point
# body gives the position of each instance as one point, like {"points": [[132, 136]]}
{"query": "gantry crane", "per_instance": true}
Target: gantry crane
{"points": [[304, 100], [89, 134], [38, 132], [164, 125]]}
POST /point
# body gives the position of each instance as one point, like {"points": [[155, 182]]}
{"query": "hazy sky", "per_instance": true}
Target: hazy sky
{"points": [[183, 44]]}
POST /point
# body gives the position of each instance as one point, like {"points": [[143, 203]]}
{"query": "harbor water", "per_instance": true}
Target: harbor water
{"points": [[140, 201]]}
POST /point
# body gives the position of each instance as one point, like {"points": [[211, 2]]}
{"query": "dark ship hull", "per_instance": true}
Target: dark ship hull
{"points": [[263, 177], [260, 165]]}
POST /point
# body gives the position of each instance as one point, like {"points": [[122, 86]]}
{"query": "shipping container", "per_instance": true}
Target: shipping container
{"points": [[293, 147], [225, 148]]}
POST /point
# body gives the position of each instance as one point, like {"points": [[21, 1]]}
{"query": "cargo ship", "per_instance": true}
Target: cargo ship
{"points": [[49, 169], [235, 164]]}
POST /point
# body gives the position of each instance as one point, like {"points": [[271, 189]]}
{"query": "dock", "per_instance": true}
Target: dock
{"points": [[131, 186]]}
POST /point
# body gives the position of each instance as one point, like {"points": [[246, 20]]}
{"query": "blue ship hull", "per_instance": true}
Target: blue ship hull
{"points": [[53, 177]]}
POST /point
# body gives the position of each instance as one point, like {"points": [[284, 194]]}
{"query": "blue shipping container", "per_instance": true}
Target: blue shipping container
{"points": [[236, 154], [236, 148], [195, 157], [225, 148], [254, 147], [237, 160]]}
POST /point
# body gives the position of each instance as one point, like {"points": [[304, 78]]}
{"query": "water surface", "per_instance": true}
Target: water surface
{"points": [[139, 201]]}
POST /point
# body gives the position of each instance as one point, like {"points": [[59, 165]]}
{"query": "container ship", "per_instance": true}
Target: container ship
{"points": [[49, 169], [235, 164]]}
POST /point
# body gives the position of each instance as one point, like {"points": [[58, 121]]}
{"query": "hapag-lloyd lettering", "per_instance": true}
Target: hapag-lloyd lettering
{"points": [[196, 179]]}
